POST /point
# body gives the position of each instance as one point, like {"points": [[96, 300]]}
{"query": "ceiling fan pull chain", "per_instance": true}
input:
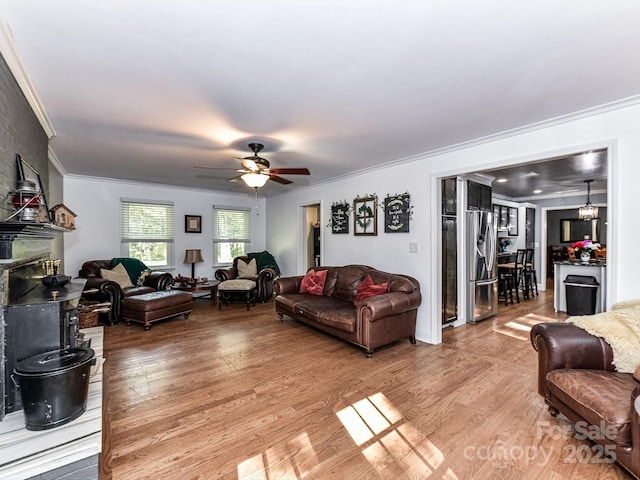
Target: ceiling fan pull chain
{"points": [[256, 189]]}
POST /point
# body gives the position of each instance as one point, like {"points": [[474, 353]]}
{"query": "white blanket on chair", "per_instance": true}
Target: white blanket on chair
{"points": [[620, 328]]}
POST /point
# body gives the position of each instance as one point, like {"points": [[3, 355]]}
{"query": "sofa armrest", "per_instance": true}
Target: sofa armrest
{"points": [[159, 280], [107, 290], [387, 304], [266, 275], [287, 285], [223, 274], [635, 426], [564, 345]]}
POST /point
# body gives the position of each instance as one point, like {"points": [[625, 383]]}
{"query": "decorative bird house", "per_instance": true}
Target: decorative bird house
{"points": [[63, 217]]}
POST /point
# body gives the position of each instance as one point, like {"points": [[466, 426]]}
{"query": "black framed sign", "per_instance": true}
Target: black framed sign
{"points": [[193, 224], [397, 211], [365, 216], [340, 218]]}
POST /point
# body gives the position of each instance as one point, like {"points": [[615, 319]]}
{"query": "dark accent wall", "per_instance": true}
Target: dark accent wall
{"points": [[20, 132], [553, 225]]}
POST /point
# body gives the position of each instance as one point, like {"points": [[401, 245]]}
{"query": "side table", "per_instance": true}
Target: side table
{"points": [[211, 287]]}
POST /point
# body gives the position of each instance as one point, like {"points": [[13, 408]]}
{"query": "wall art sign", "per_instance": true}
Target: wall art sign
{"points": [[340, 217], [365, 216], [397, 212]]}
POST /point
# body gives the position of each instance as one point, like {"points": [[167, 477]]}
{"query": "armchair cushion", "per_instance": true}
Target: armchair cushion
{"points": [[247, 270], [600, 397], [118, 274]]}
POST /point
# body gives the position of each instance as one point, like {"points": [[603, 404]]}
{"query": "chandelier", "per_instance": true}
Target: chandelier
{"points": [[588, 212]]}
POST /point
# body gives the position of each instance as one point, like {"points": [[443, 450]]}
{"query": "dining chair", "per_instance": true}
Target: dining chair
{"points": [[530, 274], [516, 272]]}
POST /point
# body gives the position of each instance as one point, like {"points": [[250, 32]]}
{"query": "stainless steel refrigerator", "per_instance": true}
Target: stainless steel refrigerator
{"points": [[482, 264]]}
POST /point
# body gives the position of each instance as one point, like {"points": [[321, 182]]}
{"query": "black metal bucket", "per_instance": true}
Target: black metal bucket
{"points": [[54, 386]]}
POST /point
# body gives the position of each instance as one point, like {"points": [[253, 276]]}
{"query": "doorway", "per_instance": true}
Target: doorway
{"points": [[311, 236], [572, 180]]}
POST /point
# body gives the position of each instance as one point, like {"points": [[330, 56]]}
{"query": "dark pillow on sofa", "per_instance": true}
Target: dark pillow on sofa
{"points": [[313, 282], [369, 289]]}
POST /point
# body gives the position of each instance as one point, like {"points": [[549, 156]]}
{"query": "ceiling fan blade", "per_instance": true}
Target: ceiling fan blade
{"points": [[235, 179], [290, 171], [211, 168], [249, 164], [278, 179]]}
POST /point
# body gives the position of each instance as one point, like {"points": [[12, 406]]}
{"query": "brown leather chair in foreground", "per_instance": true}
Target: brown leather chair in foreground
{"points": [[576, 377], [108, 290]]}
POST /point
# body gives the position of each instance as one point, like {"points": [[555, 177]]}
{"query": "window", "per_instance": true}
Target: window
{"points": [[231, 233], [147, 232]]}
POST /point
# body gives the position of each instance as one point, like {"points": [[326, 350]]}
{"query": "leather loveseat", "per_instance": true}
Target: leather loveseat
{"points": [[108, 290], [577, 377], [369, 323]]}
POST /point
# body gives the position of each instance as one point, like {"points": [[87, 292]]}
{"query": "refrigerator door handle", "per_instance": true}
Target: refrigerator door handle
{"points": [[486, 282]]}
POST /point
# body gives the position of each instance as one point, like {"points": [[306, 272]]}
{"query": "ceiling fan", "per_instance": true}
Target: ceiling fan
{"points": [[256, 170]]}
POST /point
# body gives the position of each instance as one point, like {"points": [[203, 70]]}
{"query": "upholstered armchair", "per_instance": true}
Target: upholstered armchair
{"points": [[266, 271], [577, 377], [103, 289]]}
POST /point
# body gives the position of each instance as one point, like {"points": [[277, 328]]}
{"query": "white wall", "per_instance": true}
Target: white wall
{"points": [[97, 234], [612, 126]]}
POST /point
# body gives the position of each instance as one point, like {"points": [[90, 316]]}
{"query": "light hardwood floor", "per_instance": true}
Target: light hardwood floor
{"points": [[239, 395]]}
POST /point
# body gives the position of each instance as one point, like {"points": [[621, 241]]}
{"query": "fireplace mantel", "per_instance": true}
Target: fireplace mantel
{"points": [[9, 231]]}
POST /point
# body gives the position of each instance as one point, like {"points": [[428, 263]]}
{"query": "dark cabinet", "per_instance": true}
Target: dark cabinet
{"points": [[316, 245], [449, 196], [478, 196], [507, 219], [512, 225], [530, 228]]}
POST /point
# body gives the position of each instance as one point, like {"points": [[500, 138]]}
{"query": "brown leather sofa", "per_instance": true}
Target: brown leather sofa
{"points": [[264, 280], [374, 322], [110, 291], [576, 377]]}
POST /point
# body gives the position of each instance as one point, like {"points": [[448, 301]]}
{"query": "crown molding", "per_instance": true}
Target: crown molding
{"points": [[10, 54]]}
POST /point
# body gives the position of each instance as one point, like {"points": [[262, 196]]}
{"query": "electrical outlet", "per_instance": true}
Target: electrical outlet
{"points": [[414, 247]]}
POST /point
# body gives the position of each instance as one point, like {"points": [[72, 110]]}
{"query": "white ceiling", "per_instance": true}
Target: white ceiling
{"points": [[144, 90]]}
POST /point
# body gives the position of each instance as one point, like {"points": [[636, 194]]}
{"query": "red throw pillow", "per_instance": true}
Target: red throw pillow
{"points": [[368, 289], [313, 282]]}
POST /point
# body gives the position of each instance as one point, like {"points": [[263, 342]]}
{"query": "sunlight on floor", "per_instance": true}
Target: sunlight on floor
{"points": [[520, 327], [393, 445], [295, 460]]}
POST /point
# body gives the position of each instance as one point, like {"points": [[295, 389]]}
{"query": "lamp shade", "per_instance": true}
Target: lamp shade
{"points": [[255, 180], [193, 256]]}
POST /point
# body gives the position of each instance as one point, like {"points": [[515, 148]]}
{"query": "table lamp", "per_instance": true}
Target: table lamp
{"points": [[193, 256]]}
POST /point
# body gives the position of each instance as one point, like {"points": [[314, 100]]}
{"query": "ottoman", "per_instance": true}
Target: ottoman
{"points": [[154, 306], [238, 290]]}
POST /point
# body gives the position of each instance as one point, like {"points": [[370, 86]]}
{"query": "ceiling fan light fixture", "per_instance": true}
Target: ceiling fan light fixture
{"points": [[588, 212], [255, 180]]}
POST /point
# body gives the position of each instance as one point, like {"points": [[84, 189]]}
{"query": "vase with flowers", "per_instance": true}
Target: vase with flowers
{"points": [[584, 248]]}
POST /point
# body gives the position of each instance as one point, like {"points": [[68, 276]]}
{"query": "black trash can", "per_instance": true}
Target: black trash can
{"points": [[581, 293], [54, 386]]}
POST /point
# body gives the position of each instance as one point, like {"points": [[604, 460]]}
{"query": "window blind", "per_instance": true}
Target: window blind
{"points": [[231, 225], [146, 222]]}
